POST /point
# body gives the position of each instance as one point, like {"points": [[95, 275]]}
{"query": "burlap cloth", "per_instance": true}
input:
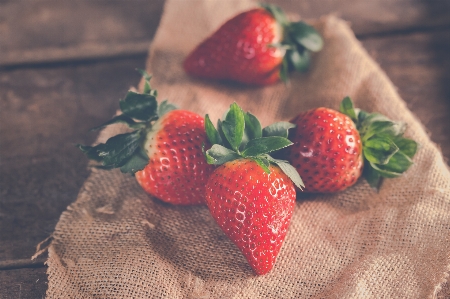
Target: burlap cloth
{"points": [[117, 242]]}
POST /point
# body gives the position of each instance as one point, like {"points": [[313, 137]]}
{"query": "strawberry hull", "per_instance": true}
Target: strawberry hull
{"points": [[252, 208]]}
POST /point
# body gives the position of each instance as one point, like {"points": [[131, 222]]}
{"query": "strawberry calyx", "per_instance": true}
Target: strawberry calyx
{"points": [[125, 151], [299, 40], [387, 153], [240, 136]]}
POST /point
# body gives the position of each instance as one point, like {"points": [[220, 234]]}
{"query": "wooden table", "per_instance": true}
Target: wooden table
{"points": [[65, 64]]}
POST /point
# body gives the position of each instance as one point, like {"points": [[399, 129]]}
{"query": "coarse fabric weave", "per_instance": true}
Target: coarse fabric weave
{"points": [[116, 241]]}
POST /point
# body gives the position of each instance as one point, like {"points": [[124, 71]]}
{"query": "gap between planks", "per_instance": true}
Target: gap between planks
{"points": [[22, 263], [91, 52], [79, 53]]}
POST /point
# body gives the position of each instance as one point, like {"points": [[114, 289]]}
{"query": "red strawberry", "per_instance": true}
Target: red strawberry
{"points": [[165, 150], [255, 47], [251, 195], [331, 147], [177, 171], [327, 150], [253, 208]]}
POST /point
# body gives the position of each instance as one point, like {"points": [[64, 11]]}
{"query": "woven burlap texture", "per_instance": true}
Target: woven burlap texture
{"points": [[115, 241]]}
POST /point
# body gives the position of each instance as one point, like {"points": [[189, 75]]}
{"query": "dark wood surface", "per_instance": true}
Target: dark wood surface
{"points": [[65, 64]]}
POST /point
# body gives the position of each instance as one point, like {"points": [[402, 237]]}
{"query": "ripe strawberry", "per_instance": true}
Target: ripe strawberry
{"points": [[253, 208], [177, 171], [165, 150], [256, 47], [251, 195], [327, 150], [331, 147]]}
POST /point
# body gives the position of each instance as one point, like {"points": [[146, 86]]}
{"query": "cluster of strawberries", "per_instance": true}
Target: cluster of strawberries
{"points": [[248, 175]]}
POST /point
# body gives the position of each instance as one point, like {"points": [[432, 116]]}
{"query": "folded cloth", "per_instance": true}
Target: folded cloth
{"points": [[115, 241]]}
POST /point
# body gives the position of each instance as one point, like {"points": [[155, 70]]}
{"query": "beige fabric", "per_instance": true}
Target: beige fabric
{"points": [[117, 242]]}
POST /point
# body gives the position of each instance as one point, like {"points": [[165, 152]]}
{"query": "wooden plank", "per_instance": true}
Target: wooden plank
{"points": [[43, 113], [23, 283], [51, 30], [419, 65], [376, 17]]}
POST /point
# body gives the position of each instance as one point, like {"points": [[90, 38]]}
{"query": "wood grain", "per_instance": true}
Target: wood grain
{"points": [[44, 112], [419, 66], [35, 32], [23, 283], [52, 30], [376, 17]]}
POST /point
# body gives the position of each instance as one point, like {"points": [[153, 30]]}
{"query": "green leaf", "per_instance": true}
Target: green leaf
{"points": [[245, 140], [233, 126], [147, 88], [252, 126], [115, 151], [397, 129], [119, 148], [263, 162], [139, 106], [289, 170], [372, 176], [211, 132], [136, 162], [121, 119], [277, 13], [90, 152], [234, 137], [284, 70], [398, 163], [374, 128], [378, 124], [406, 146], [235, 115], [347, 108], [147, 77], [153, 92], [280, 129], [265, 145], [382, 172], [165, 107], [306, 36], [361, 115], [299, 59], [379, 150], [144, 74], [222, 135], [219, 154], [373, 117]]}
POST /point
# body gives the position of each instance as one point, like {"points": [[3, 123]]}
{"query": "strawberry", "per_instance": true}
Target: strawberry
{"points": [[331, 147], [176, 172], [327, 150], [256, 47], [164, 151], [251, 195]]}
